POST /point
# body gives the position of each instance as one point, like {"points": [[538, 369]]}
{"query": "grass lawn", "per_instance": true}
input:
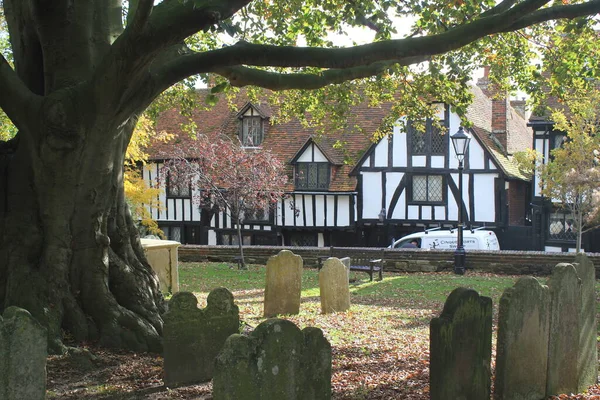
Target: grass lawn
{"points": [[380, 346]]}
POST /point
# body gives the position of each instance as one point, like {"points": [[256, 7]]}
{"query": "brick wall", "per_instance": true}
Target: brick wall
{"points": [[401, 260]]}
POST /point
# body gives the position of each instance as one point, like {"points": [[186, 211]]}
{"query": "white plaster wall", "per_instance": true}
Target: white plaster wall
{"points": [[539, 146], [437, 161], [308, 204], [440, 213], [344, 211], [485, 204], [320, 211], [381, 153], [371, 195], [476, 155], [330, 210], [426, 212], [400, 210], [413, 212], [419, 161], [392, 181], [399, 150], [289, 212], [212, 238]]}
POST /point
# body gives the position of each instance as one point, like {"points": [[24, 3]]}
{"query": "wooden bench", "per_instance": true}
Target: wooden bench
{"points": [[357, 263]]}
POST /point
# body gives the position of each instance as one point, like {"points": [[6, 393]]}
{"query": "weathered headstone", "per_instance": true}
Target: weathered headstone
{"points": [[283, 284], [565, 292], [23, 352], [193, 337], [277, 361], [522, 346], [587, 359], [461, 347], [333, 285]]}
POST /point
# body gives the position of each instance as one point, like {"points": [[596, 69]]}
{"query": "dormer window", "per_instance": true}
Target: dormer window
{"points": [[252, 131], [252, 126], [312, 176]]}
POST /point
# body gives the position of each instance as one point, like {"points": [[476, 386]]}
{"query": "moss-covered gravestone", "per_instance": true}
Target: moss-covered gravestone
{"points": [[522, 349], [333, 285], [587, 359], [277, 361], [565, 292], [461, 348], [23, 352], [283, 284], [193, 337]]}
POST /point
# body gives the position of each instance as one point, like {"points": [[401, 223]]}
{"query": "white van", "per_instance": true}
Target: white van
{"points": [[473, 239]]}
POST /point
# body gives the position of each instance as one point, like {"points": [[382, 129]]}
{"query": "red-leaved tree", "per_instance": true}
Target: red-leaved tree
{"points": [[237, 180]]}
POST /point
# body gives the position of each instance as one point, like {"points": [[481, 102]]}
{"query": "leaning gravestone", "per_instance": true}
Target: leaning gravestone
{"points": [[23, 352], [333, 284], [565, 292], [461, 347], [277, 361], [587, 359], [193, 337], [522, 346], [283, 284]]}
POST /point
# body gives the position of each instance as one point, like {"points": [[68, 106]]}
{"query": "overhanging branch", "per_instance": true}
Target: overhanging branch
{"points": [[505, 18], [243, 76]]}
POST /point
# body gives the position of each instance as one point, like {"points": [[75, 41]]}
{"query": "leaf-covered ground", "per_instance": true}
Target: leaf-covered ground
{"points": [[380, 346]]}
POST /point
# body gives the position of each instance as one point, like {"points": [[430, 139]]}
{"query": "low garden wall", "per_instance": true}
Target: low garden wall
{"points": [[401, 260]]}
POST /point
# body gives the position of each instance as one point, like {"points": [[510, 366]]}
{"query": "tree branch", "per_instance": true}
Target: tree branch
{"points": [[402, 51], [557, 12], [243, 76], [139, 14], [17, 101]]}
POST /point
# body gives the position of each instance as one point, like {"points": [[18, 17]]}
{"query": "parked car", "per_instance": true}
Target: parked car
{"points": [[436, 238]]}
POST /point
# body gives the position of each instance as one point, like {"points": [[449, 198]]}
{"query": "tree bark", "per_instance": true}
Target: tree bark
{"points": [[69, 251]]}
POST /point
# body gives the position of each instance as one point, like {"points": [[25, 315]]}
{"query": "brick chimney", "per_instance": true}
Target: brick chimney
{"points": [[500, 107]]}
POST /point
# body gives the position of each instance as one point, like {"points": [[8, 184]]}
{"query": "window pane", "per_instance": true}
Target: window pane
{"points": [[312, 176], [435, 188], [323, 177], [252, 134], [301, 175], [419, 188], [437, 141], [418, 140]]}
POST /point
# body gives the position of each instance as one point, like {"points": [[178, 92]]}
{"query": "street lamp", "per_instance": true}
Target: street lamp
{"points": [[460, 142]]}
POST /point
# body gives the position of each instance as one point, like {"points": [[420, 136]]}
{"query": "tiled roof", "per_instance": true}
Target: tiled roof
{"points": [[284, 139], [518, 136]]}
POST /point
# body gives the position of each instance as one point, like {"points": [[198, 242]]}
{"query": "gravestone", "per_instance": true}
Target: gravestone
{"points": [[522, 346], [565, 292], [587, 359], [193, 337], [277, 361], [461, 347], [283, 284], [333, 285], [23, 352]]}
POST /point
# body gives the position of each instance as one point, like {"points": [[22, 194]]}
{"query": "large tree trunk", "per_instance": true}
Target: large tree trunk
{"points": [[69, 251]]}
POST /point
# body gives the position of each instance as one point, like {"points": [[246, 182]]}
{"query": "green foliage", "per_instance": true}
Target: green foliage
{"points": [[572, 175]]}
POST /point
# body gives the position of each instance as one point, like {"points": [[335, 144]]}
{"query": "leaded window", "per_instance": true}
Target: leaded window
{"points": [[428, 188], [252, 131], [312, 176], [177, 187], [431, 141], [561, 226]]}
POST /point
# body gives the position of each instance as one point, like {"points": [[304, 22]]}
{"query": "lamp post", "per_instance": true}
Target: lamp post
{"points": [[460, 142]]}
